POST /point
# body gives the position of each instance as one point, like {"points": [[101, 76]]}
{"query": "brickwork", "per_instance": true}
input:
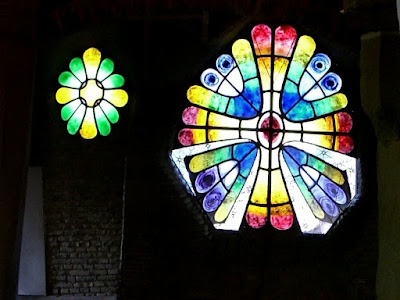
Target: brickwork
{"points": [[83, 186]]}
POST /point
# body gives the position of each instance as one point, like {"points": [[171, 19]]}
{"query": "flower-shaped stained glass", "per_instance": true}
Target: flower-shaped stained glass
{"points": [[90, 93], [267, 138]]}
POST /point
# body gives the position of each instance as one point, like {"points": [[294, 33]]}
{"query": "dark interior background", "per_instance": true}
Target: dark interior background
{"points": [[170, 251]]}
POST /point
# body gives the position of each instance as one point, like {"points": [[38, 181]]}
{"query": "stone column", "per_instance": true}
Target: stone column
{"points": [[17, 56], [380, 97]]}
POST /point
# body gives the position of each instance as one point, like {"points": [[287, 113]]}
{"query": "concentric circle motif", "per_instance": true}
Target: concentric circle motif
{"points": [[266, 136], [90, 93]]}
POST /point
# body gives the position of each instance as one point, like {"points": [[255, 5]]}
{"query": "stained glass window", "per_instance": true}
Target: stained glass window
{"points": [[267, 137], [90, 93]]}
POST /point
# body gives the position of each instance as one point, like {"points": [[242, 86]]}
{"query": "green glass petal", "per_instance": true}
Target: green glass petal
{"points": [[113, 82], [106, 68], [75, 122], [69, 109], [110, 111], [68, 79], [78, 69], [101, 120]]}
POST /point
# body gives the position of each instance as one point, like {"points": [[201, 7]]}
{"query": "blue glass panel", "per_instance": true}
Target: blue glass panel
{"points": [[225, 63], [332, 190], [214, 198], [206, 179], [241, 150], [252, 92], [293, 166], [290, 96], [302, 111], [299, 156], [239, 107], [247, 163], [326, 203]]}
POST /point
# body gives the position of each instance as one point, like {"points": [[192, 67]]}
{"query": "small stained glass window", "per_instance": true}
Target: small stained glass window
{"points": [[90, 93], [267, 138]]}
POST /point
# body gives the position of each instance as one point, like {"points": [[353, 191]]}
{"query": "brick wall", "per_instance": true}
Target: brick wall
{"points": [[83, 217]]}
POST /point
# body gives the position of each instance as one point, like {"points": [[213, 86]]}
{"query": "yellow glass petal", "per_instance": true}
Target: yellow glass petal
{"points": [[333, 174], [264, 67], [65, 95], [304, 50], [280, 67], [260, 192], [243, 53], [88, 129], [116, 97], [217, 120], [322, 125], [225, 207], [205, 160], [91, 59], [278, 189]]}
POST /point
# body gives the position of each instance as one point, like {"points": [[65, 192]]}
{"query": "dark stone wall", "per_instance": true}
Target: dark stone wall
{"points": [[170, 250]]}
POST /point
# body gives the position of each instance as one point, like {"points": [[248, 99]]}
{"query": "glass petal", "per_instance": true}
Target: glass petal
{"points": [[225, 63], [304, 50], [102, 122], [285, 39], [256, 216], [91, 59], [76, 120], [68, 79], [243, 54], [194, 116], [211, 79], [109, 111], [116, 97], [78, 69], [114, 81], [106, 68], [88, 129], [68, 110], [282, 217], [261, 35], [207, 99], [190, 136], [65, 95]]}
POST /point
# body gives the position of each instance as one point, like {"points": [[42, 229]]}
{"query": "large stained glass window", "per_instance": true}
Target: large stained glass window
{"points": [[90, 93], [266, 137]]}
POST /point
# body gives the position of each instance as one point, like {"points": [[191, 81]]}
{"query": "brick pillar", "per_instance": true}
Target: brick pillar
{"points": [[380, 96], [17, 56]]}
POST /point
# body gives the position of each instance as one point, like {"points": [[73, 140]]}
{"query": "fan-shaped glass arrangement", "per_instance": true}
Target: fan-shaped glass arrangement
{"points": [[267, 137], [90, 93]]}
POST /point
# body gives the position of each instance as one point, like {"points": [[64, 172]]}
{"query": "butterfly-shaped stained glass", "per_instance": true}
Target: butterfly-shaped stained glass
{"points": [[267, 137]]}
